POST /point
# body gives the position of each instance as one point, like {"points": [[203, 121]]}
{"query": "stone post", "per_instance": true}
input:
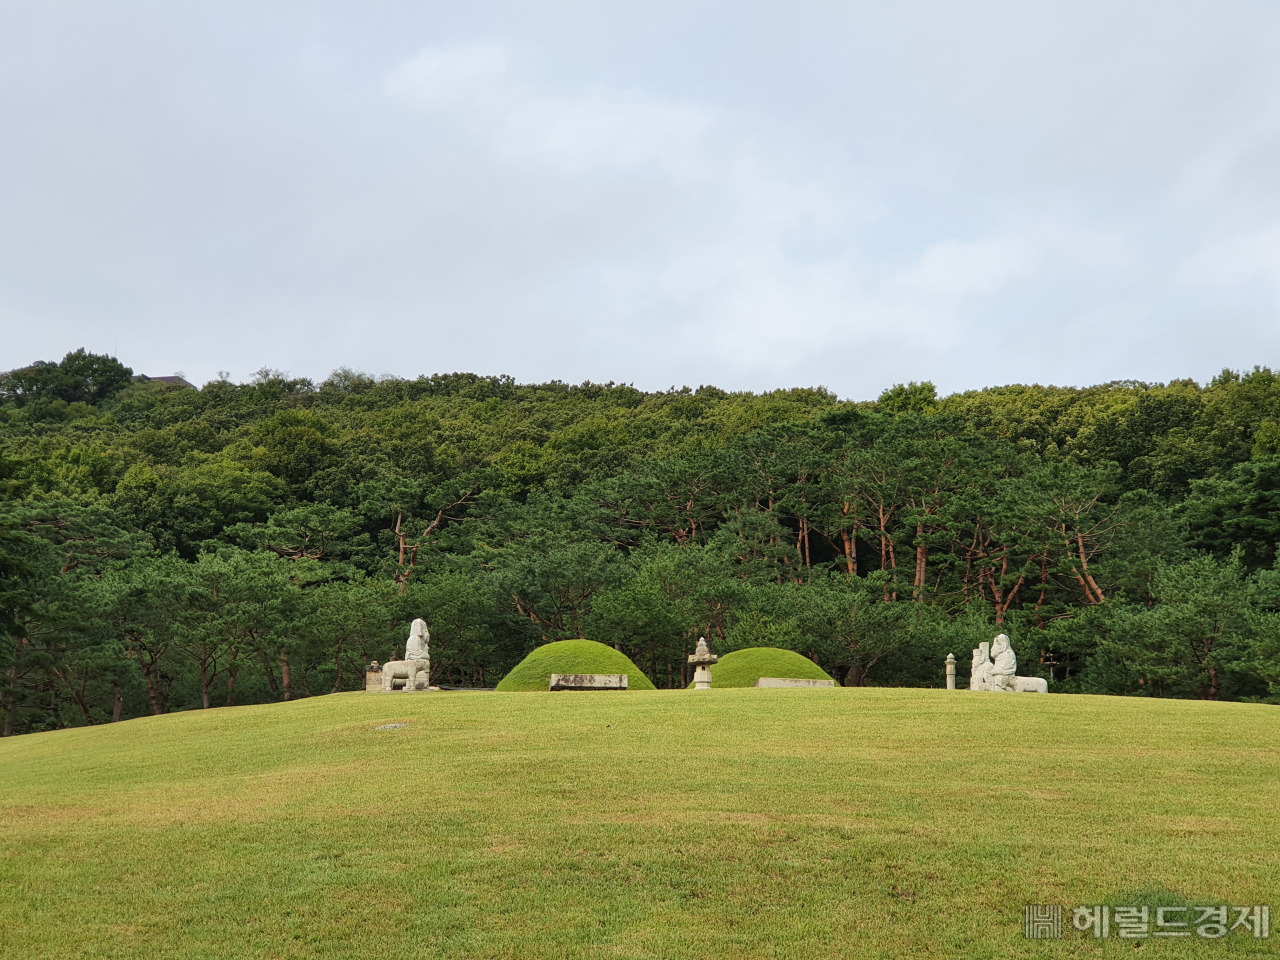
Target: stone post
{"points": [[951, 671]]}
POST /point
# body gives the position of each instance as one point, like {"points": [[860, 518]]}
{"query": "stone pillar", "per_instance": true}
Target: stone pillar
{"points": [[951, 671], [702, 677]]}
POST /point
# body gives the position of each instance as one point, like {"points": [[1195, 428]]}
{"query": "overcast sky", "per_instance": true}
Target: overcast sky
{"points": [[748, 195]]}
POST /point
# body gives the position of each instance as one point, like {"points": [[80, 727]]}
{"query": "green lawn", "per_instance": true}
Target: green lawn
{"points": [[730, 823]]}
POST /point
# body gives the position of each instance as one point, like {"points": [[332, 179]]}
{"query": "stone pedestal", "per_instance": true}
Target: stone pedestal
{"points": [[588, 681], [702, 677]]}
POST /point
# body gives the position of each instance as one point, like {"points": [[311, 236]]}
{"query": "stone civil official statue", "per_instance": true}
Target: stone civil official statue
{"points": [[980, 669]]}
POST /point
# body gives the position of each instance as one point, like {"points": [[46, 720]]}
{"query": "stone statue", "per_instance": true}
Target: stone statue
{"points": [[1000, 675], [1004, 664], [417, 660], [418, 646], [980, 672]]}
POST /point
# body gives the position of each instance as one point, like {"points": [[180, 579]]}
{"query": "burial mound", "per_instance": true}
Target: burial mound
{"points": [[743, 668], [571, 656]]}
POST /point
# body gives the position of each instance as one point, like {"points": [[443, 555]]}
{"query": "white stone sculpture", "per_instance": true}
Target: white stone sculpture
{"points": [[980, 670], [417, 660], [702, 658], [1000, 675], [1030, 685], [1004, 664]]}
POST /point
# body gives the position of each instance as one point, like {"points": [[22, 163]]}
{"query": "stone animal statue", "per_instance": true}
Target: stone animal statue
{"points": [[417, 659], [1000, 675]]}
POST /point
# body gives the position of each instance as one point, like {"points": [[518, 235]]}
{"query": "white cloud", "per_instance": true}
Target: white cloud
{"points": [[575, 132], [458, 78], [1239, 258], [701, 192], [952, 271]]}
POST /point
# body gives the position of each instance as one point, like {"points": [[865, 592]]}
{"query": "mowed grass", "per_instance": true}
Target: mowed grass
{"points": [[728, 823]]}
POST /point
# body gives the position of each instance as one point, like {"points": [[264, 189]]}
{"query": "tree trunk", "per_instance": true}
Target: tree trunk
{"points": [[11, 708], [850, 543], [78, 696], [271, 674], [970, 552], [284, 674], [850, 554], [204, 677], [922, 562], [1091, 592], [337, 661], [117, 707], [1003, 600], [231, 675], [151, 689], [1084, 565], [1044, 586]]}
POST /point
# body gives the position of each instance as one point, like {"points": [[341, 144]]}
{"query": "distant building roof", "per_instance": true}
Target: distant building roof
{"points": [[172, 381]]}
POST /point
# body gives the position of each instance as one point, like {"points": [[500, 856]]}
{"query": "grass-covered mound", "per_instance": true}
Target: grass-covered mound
{"points": [[743, 668], [571, 656]]}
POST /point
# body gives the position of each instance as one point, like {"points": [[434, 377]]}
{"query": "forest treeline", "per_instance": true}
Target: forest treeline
{"points": [[164, 548]]}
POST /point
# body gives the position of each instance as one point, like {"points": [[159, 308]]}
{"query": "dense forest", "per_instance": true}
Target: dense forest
{"points": [[165, 548]]}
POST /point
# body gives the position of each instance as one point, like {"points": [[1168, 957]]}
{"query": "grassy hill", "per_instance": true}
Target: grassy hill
{"points": [[803, 823], [742, 668], [571, 656]]}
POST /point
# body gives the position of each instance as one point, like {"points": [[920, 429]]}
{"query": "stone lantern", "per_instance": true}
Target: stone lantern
{"points": [[702, 660]]}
